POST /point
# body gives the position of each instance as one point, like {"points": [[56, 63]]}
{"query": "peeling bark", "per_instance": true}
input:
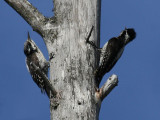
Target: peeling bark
{"points": [[72, 60]]}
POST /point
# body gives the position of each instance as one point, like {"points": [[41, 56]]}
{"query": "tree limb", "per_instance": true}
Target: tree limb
{"points": [[111, 83], [89, 35], [29, 13], [90, 42]]}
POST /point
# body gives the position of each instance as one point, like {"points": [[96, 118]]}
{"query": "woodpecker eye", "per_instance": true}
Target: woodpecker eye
{"points": [[29, 45]]}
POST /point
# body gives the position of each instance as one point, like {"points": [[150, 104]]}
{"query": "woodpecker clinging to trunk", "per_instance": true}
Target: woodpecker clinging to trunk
{"points": [[35, 57], [112, 51]]}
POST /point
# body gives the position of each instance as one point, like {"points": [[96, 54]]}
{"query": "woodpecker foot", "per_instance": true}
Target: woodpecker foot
{"points": [[51, 56], [96, 89], [93, 45]]}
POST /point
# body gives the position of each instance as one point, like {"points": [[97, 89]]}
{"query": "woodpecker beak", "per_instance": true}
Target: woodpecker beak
{"points": [[29, 37]]}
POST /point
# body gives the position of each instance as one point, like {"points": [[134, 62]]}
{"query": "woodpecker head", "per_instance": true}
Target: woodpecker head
{"points": [[29, 46], [128, 35]]}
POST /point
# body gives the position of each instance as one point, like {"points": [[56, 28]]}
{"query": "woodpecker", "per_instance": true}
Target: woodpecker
{"points": [[35, 57], [112, 51]]}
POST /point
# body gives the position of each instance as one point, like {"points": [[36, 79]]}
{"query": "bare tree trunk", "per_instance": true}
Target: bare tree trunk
{"points": [[74, 62]]}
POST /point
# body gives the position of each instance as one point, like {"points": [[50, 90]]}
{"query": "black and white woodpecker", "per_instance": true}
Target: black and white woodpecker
{"points": [[112, 51], [35, 57]]}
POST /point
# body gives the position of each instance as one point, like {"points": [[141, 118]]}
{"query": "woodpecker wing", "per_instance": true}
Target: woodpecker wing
{"points": [[110, 54], [35, 76]]}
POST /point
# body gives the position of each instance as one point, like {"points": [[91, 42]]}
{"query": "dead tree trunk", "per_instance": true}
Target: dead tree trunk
{"points": [[72, 60]]}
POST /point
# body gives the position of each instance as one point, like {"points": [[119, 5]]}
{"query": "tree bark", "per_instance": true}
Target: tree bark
{"points": [[74, 62]]}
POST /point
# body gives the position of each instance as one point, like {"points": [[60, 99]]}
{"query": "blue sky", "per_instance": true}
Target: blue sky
{"points": [[135, 98]]}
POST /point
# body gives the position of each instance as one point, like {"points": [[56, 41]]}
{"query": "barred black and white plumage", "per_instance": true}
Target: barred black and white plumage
{"points": [[35, 56], [112, 51]]}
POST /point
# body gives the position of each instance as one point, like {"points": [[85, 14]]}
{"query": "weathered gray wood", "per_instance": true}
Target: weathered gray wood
{"points": [[74, 62], [107, 87]]}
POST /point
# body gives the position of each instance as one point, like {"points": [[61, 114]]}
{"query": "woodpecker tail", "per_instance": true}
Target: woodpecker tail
{"points": [[98, 77]]}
